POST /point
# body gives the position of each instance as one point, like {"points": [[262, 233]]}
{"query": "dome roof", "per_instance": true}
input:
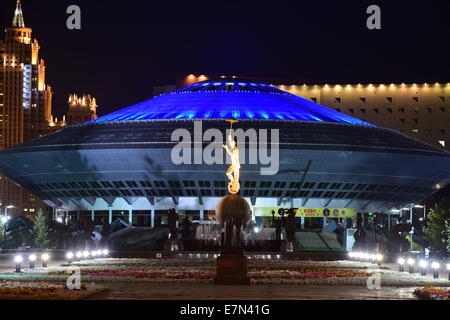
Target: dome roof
{"points": [[229, 99]]}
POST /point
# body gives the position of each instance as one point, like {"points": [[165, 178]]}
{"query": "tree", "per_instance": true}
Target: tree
{"points": [[40, 230], [438, 231]]}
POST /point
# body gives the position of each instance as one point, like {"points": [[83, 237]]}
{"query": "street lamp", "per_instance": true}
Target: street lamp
{"points": [[79, 255], [5, 217], [423, 267], [8, 207], [69, 256], [45, 257], [411, 265], [401, 263], [435, 265], [32, 259], [379, 258], [18, 260]]}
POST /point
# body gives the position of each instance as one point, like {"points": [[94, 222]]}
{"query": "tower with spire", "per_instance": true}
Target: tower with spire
{"points": [[18, 21], [25, 102]]}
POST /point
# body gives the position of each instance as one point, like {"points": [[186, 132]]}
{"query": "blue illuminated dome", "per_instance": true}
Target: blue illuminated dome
{"points": [[230, 99]]}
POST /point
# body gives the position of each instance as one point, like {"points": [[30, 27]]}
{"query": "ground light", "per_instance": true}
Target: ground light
{"points": [[435, 265], [99, 253], [69, 257], [86, 254], [79, 255], [423, 267], [411, 265], [18, 260], [379, 258], [45, 257], [32, 259], [94, 254], [105, 252], [401, 263]]}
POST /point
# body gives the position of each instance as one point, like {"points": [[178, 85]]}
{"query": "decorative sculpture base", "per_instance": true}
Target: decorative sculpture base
{"points": [[173, 245], [232, 268], [232, 212]]}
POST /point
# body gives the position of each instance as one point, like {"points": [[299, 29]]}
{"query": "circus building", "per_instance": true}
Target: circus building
{"points": [[316, 158]]}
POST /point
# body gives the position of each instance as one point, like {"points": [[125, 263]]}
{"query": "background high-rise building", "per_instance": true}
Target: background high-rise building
{"points": [[26, 105], [25, 102], [421, 111], [81, 109]]}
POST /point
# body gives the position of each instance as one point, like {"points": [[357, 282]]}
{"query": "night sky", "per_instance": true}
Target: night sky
{"points": [[127, 47]]}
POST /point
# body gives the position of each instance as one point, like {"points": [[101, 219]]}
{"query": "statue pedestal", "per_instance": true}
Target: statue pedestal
{"points": [[173, 245], [232, 268]]}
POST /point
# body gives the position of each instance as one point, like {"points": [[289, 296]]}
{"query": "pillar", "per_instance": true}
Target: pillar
{"points": [[130, 216], [110, 216], [389, 221], [202, 213], [152, 218]]}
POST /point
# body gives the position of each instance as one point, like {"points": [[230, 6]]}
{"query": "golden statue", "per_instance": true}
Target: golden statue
{"points": [[234, 170]]}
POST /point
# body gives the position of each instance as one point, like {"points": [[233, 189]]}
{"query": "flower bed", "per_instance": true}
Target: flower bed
{"points": [[433, 293], [39, 290], [199, 271], [203, 271]]}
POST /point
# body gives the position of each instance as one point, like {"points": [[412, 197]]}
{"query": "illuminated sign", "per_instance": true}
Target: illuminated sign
{"points": [[309, 212]]}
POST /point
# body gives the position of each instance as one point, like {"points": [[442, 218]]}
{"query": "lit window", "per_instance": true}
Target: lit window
{"points": [[442, 142]]}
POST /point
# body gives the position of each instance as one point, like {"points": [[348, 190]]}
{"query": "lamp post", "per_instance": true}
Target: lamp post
{"points": [[411, 265], [32, 259], [412, 227], [79, 255], [423, 267], [448, 269], [45, 258], [401, 263], [18, 260], [435, 265], [5, 216], [69, 256]]}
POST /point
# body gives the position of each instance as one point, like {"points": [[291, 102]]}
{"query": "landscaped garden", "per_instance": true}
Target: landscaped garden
{"points": [[203, 271], [41, 290]]}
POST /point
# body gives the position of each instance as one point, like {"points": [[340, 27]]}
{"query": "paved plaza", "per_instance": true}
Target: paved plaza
{"points": [[151, 291]]}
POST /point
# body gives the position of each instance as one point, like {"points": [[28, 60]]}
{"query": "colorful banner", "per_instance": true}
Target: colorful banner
{"points": [[309, 212]]}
